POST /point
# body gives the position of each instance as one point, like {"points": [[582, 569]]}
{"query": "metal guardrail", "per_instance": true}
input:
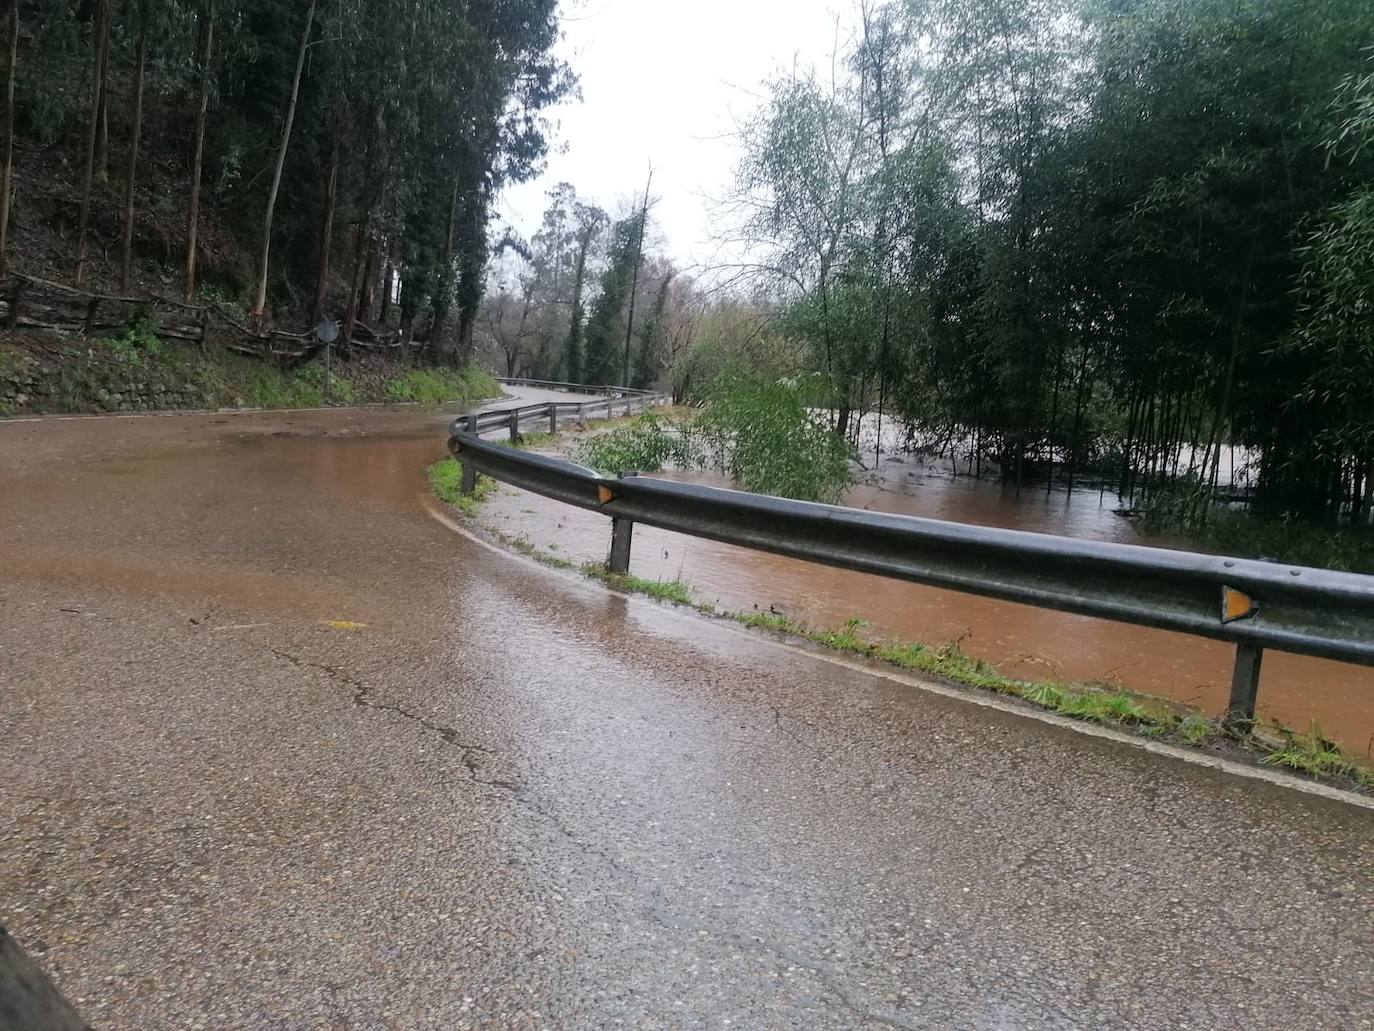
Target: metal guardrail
{"points": [[577, 388], [1251, 604], [552, 412]]}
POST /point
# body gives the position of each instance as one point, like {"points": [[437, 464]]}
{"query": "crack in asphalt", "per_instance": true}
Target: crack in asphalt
{"points": [[362, 697], [777, 720]]}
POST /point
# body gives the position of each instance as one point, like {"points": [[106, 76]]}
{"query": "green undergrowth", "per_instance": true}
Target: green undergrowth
{"points": [[529, 441], [132, 369], [438, 385], [1190, 512], [758, 432]]}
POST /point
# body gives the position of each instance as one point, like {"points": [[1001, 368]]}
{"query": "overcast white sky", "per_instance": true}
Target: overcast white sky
{"points": [[664, 81]]}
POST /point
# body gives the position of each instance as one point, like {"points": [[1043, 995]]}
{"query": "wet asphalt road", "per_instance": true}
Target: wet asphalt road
{"points": [[282, 751]]}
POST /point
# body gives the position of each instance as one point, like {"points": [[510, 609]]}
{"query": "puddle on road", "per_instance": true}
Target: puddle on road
{"points": [[311, 515]]}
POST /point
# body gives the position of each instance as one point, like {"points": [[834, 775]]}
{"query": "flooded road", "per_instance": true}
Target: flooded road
{"points": [[283, 751], [1020, 640]]}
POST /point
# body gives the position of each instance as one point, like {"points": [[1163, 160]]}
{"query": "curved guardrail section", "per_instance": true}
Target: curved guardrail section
{"points": [[1254, 605], [577, 388]]}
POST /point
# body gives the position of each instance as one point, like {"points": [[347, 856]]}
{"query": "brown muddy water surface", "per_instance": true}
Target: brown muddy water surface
{"points": [[1020, 640]]}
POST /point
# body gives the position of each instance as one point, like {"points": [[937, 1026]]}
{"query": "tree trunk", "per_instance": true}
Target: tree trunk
{"points": [[331, 192], [102, 39], [573, 348], [8, 173], [102, 137], [367, 301], [207, 42], [388, 282], [127, 249], [355, 283], [260, 301], [1222, 413]]}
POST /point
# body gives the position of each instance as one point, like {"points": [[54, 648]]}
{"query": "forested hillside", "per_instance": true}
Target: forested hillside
{"points": [[294, 158], [1107, 234]]}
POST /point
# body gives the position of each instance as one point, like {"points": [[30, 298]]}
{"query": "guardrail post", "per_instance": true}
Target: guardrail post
{"points": [[622, 531], [1245, 676], [515, 426], [582, 416], [553, 419], [469, 470]]}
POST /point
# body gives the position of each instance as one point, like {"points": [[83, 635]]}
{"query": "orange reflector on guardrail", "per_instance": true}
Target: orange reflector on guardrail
{"points": [[1236, 605], [603, 494]]}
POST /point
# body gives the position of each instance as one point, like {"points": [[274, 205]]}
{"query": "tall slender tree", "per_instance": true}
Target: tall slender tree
{"points": [[204, 56], [141, 67], [264, 256], [100, 33], [7, 175]]}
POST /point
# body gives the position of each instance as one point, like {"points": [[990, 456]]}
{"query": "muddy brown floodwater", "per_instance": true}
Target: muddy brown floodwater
{"points": [[1020, 640]]}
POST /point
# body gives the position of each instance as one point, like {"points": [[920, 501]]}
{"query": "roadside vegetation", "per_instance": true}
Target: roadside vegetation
{"points": [[1237, 530], [757, 431], [134, 370], [446, 483]]}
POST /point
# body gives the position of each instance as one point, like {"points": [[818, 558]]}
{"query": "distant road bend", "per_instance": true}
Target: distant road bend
{"points": [[284, 751]]}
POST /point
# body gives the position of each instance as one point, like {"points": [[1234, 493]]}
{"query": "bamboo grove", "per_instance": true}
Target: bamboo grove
{"points": [[1090, 235], [310, 157]]}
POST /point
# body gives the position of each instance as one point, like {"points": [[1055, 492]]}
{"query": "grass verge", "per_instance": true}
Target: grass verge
{"points": [[446, 484], [674, 591], [1311, 753], [528, 441]]}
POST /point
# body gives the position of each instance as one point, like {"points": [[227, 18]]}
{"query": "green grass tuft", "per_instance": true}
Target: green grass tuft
{"points": [[674, 591], [1103, 707], [446, 484], [1313, 753], [766, 621]]}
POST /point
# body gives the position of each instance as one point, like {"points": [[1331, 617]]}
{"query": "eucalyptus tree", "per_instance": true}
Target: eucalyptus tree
{"points": [[591, 222], [605, 330]]}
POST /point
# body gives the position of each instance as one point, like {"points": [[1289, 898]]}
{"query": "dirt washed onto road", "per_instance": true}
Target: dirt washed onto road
{"points": [[283, 751]]}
